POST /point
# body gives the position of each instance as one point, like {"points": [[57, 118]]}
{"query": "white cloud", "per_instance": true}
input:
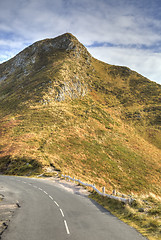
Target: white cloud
{"points": [[96, 20]]}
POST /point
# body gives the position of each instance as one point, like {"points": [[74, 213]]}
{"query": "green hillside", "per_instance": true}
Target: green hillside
{"points": [[63, 109]]}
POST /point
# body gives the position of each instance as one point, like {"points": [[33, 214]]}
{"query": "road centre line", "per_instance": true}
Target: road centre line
{"points": [[61, 212], [51, 197], [66, 226], [56, 203]]}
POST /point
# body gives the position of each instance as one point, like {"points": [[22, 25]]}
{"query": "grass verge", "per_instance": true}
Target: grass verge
{"points": [[144, 214]]}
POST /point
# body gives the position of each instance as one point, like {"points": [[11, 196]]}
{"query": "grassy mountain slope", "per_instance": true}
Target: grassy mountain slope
{"points": [[62, 108]]}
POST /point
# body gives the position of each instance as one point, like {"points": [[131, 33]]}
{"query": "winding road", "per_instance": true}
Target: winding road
{"points": [[49, 212]]}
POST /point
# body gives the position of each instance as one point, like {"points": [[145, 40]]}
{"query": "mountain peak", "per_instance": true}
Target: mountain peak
{"points": [[66, 37], [40, 50], [65, 41]]}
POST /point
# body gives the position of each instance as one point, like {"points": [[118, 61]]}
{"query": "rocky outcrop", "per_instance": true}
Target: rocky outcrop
{"points": [[48, 70], [71, 90], [25, 60]]}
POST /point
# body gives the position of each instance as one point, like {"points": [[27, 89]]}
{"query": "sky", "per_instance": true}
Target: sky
{"points": [[118, 32]]}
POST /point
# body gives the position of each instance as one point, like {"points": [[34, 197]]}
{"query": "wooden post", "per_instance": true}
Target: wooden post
{"points": [[103, 190], [114, 192]]}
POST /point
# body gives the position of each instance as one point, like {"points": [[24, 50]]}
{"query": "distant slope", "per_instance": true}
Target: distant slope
{"points": [[62, 108]]}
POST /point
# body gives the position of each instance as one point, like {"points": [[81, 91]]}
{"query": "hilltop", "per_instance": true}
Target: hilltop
{"points": [[64, 110]]}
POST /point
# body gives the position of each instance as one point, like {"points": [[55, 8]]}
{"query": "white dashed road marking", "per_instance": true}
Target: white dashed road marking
{"points": [[50, 197], [66, 226], [65, 223], [56, 204], [61, 212]]}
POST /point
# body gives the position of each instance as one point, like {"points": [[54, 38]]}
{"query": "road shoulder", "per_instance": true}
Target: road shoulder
{"points": [[8, 206]]}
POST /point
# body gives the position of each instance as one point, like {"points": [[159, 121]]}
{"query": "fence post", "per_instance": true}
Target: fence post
{"points": [[103, 190], [114, 192]]}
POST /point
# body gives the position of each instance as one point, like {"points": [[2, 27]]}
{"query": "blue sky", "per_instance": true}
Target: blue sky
{"points": [[119, 32]]}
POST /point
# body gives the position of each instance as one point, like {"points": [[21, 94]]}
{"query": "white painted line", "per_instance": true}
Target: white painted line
{"points": [[50, 197], [24, 182], [45, 192], [35, 186], [61, 212], [66, 226], [56, 204], [40, 189], [29, 184]]}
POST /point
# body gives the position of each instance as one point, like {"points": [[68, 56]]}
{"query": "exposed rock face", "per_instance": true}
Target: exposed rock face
{"points": [[44, 59], [71, 90], [28, 57]]}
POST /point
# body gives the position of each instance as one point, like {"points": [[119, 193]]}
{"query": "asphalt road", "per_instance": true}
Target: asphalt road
{"points": [[48, 212]]}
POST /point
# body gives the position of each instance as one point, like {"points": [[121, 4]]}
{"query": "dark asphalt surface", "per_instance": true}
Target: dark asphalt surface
{"points": [[50, 213]]}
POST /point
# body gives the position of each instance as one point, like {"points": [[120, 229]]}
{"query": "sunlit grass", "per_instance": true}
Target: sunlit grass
{"points": [[144, 213]]}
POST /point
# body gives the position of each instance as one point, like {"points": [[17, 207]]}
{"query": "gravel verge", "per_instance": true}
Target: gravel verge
{"points": [[8, 206]]}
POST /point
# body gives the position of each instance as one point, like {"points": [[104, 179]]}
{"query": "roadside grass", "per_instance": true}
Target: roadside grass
{"points": [[144, 214]]}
